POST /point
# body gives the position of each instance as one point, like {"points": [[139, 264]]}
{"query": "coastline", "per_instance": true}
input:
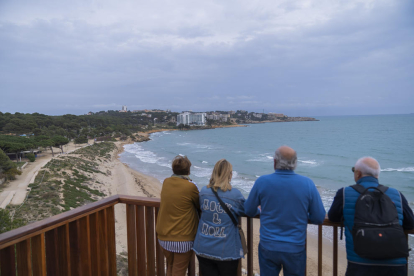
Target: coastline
{"points": [[151, 187]]}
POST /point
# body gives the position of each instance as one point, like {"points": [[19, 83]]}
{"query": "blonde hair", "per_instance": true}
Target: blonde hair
{"points": [[221, 176]]}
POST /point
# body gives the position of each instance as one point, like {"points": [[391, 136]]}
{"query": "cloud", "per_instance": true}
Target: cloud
{"points": [[299, 56]]}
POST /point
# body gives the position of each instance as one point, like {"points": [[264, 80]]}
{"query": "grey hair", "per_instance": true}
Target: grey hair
{"points": [[365, 169], [282, 163]]}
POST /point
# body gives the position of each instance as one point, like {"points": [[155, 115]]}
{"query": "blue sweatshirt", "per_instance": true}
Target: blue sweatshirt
{"points": [[288, 200]]}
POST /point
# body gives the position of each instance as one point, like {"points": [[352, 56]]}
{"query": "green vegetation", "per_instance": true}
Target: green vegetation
{"points": [[6, 224], [31, 157], [8, 169], [20, 164], [65, 183], [16, 144], [102, 149], [103, 123], [81, 140]]}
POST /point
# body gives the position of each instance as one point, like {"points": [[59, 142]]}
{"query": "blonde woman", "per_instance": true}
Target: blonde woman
{"points": [[217, 243]]}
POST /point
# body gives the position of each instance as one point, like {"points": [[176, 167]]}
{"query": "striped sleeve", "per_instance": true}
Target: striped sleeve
{"points": [[177, 247]]}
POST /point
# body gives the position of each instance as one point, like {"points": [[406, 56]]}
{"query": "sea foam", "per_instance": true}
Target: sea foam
{"points": [[408, 169], [146, 156], [309, 162]]}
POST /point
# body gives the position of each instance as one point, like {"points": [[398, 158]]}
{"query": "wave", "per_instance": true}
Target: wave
{"points": [[196, 146], [308, 162], [408, 169], [261, 158], [204, 162], [146, 156], [201, 172]]}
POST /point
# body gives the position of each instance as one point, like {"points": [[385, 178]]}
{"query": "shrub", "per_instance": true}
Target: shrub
{"points": [[81, 140], [6, 224], [31, 157], [11, 173]]}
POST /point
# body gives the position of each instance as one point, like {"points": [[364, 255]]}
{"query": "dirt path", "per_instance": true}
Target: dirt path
{"points": [[15, 191]]}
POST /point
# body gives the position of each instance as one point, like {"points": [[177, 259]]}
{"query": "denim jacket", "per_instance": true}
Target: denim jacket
{"points": [[217, 237]]}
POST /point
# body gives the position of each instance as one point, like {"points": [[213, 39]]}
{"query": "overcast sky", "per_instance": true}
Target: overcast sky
{"points": [[305, 57]]}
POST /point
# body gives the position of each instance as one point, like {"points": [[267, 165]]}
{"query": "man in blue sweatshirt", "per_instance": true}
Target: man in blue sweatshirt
{"points": [[287, 201]]}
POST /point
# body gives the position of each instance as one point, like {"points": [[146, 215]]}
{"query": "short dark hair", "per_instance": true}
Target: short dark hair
{"points": [[181, 165]]}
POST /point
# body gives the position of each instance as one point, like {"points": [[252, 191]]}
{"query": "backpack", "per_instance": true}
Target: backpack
{"points": [[377, 233]]}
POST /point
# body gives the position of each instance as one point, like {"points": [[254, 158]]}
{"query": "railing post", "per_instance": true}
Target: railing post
{"points": [[74, 249], [141, 247], [319, 250], [159, 253], [103, 242], [8, 261], [52, 260], [95, 243], [85, 246], [335, 251], [406, 265], [150, 237], [306, 250], [111, 241], [24, 262], [132, 240], [250, 246], [64, 250], [38, 255]]}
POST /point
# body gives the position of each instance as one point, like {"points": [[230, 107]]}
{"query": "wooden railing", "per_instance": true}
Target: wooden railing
{"points": [[82, 242]]}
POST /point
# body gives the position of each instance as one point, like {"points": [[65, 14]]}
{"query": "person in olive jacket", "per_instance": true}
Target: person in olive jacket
{"points": [[178, 217]]}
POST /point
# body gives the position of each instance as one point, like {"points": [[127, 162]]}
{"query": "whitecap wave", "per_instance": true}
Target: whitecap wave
{"points": [[201, 172], [408, 169], [145, 156], [196, 146], [308, 162], [265, 158], [204, 162]]}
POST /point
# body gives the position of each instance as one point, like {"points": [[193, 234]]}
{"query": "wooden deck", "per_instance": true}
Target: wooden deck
{"points": [[82, 242]]}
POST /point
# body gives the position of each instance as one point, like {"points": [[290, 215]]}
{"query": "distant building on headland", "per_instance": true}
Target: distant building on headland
{"points": [[152, 110], [124, 109], [275, 115], [218, 116], [190, 118]]}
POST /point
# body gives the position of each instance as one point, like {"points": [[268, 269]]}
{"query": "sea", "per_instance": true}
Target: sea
{"points": [[327, 150]]}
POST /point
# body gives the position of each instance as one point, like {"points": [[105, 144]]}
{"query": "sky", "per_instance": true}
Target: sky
{"points": [[300, 58]]}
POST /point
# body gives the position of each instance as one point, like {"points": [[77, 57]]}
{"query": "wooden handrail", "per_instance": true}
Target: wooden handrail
{"points": [[139, 200], [38, 227]]}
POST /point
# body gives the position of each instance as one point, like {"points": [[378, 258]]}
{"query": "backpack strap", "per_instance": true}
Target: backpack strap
{"points": [[359, 188], [382, 188]]}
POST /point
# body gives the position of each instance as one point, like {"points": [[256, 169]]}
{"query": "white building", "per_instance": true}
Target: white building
{"points": [[187, 118], [124, 109], [218, 117]]}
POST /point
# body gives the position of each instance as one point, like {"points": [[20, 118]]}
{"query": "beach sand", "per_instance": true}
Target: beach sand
{"points": [[125, 180]]}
